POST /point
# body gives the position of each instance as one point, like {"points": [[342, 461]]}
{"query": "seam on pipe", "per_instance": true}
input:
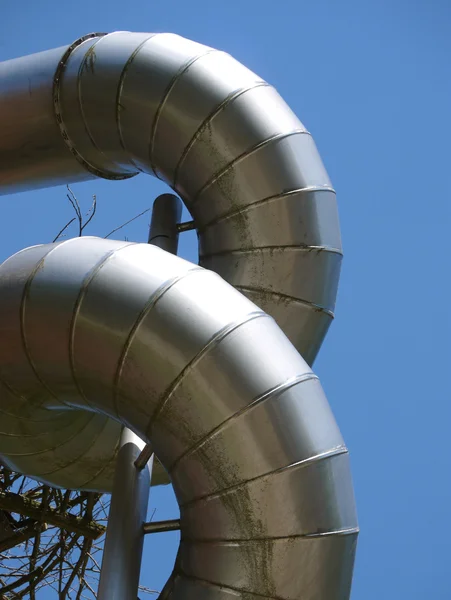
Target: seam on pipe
{"points": [[268, 395], [23, 252], [105, 467], [274, 138], [156, 237], [54, 417], [59, 73], [23, 304], [85, 424], [212, 343], [16, 394], [82, 67], [293, 299], [298, 464], [257, 249], [243, 541], [242, 593], [151, 302], [164, 99], [238, 593], [203, 126], [81, 294], [268, 200], [35, 435], [118, 104], [85, 450]]}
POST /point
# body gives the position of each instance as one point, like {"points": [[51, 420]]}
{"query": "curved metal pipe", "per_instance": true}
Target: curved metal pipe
{"points": [[234, 413], [129, 333], [245, 166]]}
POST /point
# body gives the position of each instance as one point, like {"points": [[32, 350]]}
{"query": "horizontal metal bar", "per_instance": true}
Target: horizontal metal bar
{"points": [[187, 226], [162, 526]]}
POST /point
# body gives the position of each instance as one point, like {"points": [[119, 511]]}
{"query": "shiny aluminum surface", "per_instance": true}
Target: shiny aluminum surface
{"points": [[95, 333], [234, 413], [122, 553], [245, 166]]}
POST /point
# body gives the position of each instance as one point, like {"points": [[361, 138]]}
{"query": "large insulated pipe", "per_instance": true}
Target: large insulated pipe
{"points": [[245, 166], [170, 350], [233, 411]]}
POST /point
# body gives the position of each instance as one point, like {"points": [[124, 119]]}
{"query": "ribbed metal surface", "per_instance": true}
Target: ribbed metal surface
{"points": [[245, 166], [234, 413], [167, 348]]}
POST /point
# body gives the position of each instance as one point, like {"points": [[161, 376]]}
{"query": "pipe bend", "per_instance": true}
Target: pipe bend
{"points": [[217, 133], [96, 333], [129, 333], [245, 166]]}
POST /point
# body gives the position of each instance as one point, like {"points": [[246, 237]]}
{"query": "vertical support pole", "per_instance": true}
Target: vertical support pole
{"points": [[122, 555], [166, 214], [121, 563]]}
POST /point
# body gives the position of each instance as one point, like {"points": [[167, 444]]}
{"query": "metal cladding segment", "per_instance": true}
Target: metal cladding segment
{"points": [[245, 166], [109, 332], [40, 430], [33, 153], [96, 334]]}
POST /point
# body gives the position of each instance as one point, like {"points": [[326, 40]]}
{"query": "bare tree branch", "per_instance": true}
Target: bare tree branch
{"points": [[76, 206], [90, 214], [19, 504], [127, 223], [63, 230]]}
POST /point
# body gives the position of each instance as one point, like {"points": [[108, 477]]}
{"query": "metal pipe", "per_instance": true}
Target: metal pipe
{"points": [[121, 560], [166, 214], [187, 226], [162, 526], [247, 169], [236, 415], [257, 462]]}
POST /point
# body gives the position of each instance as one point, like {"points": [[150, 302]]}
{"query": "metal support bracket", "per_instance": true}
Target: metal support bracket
{"points": [[161, 526], [144, 457]]}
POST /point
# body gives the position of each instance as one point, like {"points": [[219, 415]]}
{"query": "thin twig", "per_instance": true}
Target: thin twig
{"points": [[63, 230], [91, 213], [76, 206], [124, 224], [78, 566], [82, 570]]}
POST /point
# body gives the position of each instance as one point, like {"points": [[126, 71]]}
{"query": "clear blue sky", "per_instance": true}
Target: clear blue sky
{"points": [[371, 81]]}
